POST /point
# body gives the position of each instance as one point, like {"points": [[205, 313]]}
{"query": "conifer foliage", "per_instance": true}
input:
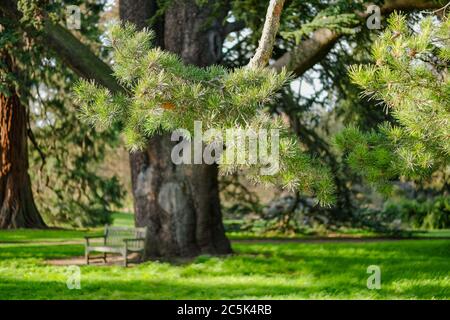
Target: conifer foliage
{"points": [[410, 77], [162, 94]]}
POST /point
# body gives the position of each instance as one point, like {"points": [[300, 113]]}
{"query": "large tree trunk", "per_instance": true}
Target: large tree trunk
{"points": [[17, 207], [178, 203]]}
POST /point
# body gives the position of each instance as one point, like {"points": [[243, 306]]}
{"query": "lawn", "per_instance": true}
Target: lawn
{"points": [[60, 235], [410, 269]]}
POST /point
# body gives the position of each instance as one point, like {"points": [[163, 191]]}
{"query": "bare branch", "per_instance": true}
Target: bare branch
{"points": [[408, 5], [271, 25], [308, 53]]}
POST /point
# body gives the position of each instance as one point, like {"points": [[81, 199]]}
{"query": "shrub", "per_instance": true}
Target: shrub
{"points": [[431, 213]]}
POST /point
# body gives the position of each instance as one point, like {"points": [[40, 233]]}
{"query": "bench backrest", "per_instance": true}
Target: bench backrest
{"points": [[114, 236]]}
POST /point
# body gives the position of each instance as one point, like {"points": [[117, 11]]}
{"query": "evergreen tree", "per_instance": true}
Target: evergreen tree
{"points": [[63, 156], [164, 94]]}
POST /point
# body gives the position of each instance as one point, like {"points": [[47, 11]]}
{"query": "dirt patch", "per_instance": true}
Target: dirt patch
{"points": [[93, 260]]}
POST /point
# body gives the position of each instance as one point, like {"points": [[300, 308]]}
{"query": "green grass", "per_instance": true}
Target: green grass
{"points": [[443, 233], [342, 233], [410, 269], [60, 235], [123, 219], [51, 235]]}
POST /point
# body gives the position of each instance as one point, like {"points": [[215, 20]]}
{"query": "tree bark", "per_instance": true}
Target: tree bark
{"points": [[17, 207], [179, 204]]}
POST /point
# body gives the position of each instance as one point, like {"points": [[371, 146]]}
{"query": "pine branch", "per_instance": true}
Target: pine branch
{"points": [[416, 92]]}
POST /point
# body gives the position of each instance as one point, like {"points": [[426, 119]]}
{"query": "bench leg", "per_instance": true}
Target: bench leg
{"points": [[104, 257], [87, 256], [125, 259]]}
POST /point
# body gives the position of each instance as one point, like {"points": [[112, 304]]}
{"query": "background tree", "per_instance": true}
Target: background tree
{"points": [[17, 207], [63, 158]]}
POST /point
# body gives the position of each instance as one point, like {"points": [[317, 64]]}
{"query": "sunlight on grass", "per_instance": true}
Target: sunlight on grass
{"points": [[411, 269], [123, 219], [51, 235]]}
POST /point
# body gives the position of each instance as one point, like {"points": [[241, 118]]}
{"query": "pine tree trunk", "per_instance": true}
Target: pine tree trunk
{"points": [[17, 207], [179, 204]]}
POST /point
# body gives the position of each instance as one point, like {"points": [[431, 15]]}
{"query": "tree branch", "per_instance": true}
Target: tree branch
{"points": [[408, 5], [310, 51], [68, 48], [271, 25], [79, 57]]}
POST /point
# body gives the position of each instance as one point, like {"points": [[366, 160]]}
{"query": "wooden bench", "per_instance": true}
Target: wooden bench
{"points": [[121, 240]]}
